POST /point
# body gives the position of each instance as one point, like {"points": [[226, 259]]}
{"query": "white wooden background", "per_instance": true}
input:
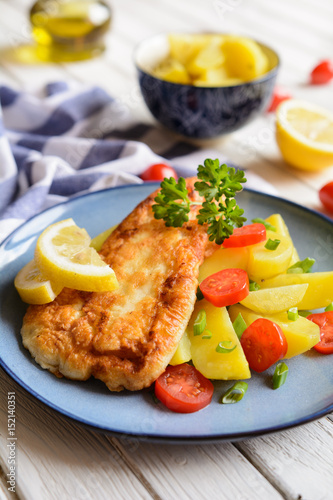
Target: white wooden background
{"points": [[58, 459]]}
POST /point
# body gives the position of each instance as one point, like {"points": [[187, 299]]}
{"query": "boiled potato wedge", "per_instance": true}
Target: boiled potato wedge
{"points": [[211, 57], [244, 58], [318, 294], [217, 77], [301, 334], [274, 300], [212, 364], [264, 263], [224, 258], [184, 48], [172, 71], [281, 228], [183, 351]]}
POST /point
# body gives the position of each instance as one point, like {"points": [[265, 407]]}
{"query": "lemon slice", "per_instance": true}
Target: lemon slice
{"points": [[63, 255], [304, 133], [33, 287]]}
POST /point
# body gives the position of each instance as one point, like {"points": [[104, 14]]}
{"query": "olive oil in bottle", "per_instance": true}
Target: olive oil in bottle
{"points": [[69, 30]]}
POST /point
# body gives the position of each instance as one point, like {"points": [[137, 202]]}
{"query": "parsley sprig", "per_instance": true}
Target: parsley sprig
{"points": [[218, 184]]}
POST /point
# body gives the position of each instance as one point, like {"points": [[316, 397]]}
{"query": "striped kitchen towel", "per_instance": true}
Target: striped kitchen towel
{"points": [[68, 139]]}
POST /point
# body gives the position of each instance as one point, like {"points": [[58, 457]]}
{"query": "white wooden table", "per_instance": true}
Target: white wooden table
{"points": [[58, 459]]}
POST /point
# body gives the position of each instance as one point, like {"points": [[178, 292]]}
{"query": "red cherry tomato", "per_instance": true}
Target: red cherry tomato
{"points": [[183, 389], [322, 73], [246, 235], [263, 343], [158, 172], [326, 196], [226, 287], [325, 322], [279, 95]]}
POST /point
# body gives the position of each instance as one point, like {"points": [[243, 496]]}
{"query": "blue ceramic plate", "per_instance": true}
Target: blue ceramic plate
{"points": [[307, 394]]}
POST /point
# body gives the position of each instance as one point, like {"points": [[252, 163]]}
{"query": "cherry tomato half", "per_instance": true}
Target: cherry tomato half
{"points": [[246, 235], [183, 389], [322, 73], [325, 322], [326, 196], [226, 287], [279, 95], [158, 172], [263, 343]]}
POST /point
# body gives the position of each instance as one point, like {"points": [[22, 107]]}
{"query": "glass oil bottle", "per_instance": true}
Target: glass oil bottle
{"points": [[69, 30]]}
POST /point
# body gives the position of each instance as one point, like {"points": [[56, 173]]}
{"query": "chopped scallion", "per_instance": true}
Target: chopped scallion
{"points": [[266, 224], [239, 325], [200, 323], [154, 398], [224, 347], [272, 244], [293, 314], [304, 314], [329, 307], [280, 375], [302, 266], [235, 393], [199, 294], [208, 335], [253, 286]]}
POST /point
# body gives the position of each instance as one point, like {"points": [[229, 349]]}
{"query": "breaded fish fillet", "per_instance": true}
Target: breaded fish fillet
{"points": [[127, 337]]}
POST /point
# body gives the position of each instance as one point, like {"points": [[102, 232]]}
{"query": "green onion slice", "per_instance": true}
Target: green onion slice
{"points": [[154, 398], [293, 314], [235, 393], [200, 323], [253, 286], [329, 307], [266, 224], [225, 347], [239, 325], [304, 314], [199, 294], [302, 266], [280, 375], [208, 335], [272, 244]]}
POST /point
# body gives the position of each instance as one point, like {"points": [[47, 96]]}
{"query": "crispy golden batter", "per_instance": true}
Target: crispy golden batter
{"points": [[125, 338]]}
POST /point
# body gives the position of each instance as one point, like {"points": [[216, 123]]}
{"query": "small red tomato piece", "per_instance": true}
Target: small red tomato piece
{"points": [[183, 389], [326, 196], [279, 95], [325, 322], [158, 172], [246, 235], [226, 287], [263, 343], [322, 73]]}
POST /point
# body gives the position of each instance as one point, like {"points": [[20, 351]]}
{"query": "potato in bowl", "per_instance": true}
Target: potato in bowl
{"points": [[205, 85], [213, 60]]}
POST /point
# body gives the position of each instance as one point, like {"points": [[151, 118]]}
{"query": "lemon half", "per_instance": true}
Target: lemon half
{"points": [[63, 255], [304, 133]]}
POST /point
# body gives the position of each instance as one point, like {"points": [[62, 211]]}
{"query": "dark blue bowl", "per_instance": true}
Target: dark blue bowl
{"points": [[200, 112]]}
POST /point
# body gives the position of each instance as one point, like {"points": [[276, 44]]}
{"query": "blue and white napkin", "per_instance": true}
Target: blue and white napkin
{"points": [[65, 140]]}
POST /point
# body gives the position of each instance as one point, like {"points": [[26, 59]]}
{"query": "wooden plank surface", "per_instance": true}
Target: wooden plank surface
{"points": [[59, 459], [51, 449], [298, 462]]}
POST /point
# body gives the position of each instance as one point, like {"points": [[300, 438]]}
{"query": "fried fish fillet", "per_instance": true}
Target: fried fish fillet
{"points": [[127, 337]]}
